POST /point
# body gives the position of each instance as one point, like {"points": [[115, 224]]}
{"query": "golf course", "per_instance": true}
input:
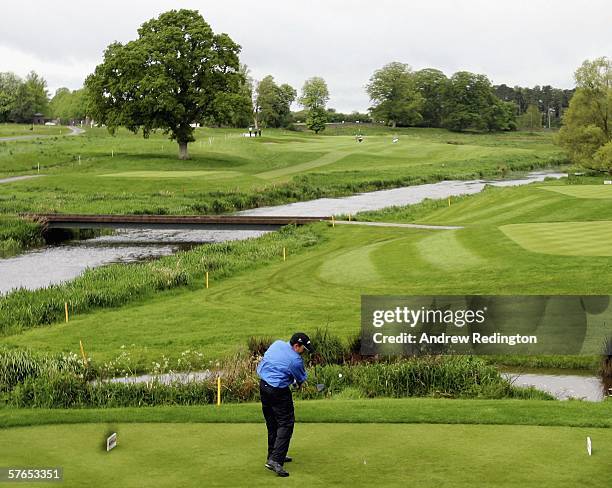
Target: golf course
{"points": [[544, 238], [252, 246]]}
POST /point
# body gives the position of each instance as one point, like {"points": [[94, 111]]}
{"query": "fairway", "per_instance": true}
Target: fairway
{"points": [[582, 191], [228, 172], [173, 174], [565, 239], [428, 455]]}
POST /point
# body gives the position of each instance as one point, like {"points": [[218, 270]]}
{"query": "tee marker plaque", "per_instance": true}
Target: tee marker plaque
{"points": [[111, 441]]}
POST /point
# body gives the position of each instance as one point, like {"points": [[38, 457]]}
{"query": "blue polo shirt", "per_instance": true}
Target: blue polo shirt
{"points": [[281, 365]]}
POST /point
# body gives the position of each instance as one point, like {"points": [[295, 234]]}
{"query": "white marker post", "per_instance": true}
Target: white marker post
{"points": [[589, 446], [111, 442]]}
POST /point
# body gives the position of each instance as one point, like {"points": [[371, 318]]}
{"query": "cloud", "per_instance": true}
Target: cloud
{"points": [[526, 42]]}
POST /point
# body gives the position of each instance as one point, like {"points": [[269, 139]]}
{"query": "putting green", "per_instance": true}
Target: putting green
{"points": [[174, 174], [418, 455], [582, 191], [563, 238]]}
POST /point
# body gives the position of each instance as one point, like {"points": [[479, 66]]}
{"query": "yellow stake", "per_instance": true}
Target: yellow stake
{"points": [[218, 391], [83, 353], [284, 254], [66, 309], [333, 221], [449, 201], [349, 217], [207, 279]]}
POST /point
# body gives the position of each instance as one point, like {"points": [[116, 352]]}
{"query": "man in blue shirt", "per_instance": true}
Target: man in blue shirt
{"points": [[281, 366]]}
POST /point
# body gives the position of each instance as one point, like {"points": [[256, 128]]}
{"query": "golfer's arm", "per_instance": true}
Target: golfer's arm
{"points": [[299, 373]]}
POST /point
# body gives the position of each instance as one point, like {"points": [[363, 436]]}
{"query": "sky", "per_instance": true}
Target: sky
{"points": [[522, 42]]}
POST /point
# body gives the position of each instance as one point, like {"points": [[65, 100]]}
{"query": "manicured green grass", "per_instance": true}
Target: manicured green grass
{"points": [[324, 455], [583, 191], [563, 238]]}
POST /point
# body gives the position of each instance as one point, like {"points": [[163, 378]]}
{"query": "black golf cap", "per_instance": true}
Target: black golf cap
{"points": [[303, 340]]}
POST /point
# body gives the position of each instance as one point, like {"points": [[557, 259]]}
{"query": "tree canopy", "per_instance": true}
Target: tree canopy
{"points": [[587, 126], [428, 98], [9, 86], [21, 99], [470, 102], [273, 102], [177, 73], [314, 98], [431, 84], [394, 93], [69, 105]]}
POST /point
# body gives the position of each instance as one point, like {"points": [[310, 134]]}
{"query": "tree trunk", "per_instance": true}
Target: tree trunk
{"points": [[183, 154], [393, 123]]}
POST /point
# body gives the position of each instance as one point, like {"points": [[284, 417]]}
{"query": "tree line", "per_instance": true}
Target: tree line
{"points": [[21, 99], [540, 106]]}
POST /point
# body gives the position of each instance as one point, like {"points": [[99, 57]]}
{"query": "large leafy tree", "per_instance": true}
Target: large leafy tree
{"points": [[32, 97], [234, 108], [470, 102], [314, 98], [274, 102], [9, 87], [587, 126], [394, 93], [467, 95], [431, 84], [178, 72]]}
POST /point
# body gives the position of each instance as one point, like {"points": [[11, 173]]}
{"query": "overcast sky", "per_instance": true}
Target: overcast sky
{"points": [[520, 42]]}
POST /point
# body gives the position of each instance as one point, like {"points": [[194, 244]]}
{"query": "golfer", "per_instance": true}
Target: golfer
{"points": [[281, 367]]}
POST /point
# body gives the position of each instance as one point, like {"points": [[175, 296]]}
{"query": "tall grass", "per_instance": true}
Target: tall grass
{"points": [[17, 234], [34, 380], [115, 285], [448, 377], [18, 366]]}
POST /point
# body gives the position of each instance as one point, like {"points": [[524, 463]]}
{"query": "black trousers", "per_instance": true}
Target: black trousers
{"points": [[277, 407]]}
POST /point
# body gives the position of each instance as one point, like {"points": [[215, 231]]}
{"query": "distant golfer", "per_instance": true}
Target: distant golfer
{"points": [[281, 367]]}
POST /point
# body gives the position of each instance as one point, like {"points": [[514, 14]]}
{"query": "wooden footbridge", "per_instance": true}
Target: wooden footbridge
{"points": [[202, 222]]}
